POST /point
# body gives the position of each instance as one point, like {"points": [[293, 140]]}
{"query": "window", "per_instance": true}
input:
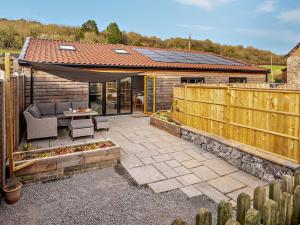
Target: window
{"points": [[67, 47], [121, 51], [193, 80], [237, 80]]}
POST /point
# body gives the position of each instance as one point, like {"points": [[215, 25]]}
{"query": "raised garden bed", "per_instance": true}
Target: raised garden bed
{"points": [[164, 121], [50, 163]]}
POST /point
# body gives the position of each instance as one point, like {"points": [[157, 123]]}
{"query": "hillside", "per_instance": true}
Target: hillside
{"points": [[14, 32]]}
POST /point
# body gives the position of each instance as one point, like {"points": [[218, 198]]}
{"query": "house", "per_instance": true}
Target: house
{"points": [[149, 74], [293, 65]]}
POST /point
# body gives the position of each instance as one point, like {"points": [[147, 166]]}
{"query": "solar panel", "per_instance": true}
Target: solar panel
{"points": [[184, 57]]}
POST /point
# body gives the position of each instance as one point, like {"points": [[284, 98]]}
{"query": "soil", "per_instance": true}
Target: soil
{"points": [[62, 151], [164, 115]]}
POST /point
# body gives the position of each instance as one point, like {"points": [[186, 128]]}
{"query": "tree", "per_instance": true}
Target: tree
{"points": [[113, 34], [89, 26]]}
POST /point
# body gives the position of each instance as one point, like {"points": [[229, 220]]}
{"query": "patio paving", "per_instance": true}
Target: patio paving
{"points": [[164, 162]]}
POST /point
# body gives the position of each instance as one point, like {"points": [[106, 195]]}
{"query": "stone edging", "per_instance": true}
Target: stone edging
{"points": [[247, 158]]}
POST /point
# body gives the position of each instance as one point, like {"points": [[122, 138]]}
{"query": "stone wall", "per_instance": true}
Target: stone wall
{"points": [[293, 69], [240, 156]]}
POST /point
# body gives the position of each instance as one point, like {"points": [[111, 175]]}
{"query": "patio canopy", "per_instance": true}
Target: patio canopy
{"points": [[81, 75]]}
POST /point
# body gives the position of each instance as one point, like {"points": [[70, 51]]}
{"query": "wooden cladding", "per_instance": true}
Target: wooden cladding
{"points": [[265, 118]]}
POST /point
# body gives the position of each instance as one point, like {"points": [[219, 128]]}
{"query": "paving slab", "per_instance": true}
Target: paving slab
{"points": [[147, 154], [180, 156], [162, 144], [204, 173], [220, 166], [195, 155], [191, 163], [226, 184], [167, 150], [188, 179], [145, 174], [148, 161], [165, 185], [162, 158], [209, 155], [191, 191], [166, 170], [211, 192], [234, 195], [130, 161], [248, 179], [182, 170], [173, 163]]}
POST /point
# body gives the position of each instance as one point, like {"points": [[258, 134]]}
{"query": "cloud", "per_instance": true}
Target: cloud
{"points": [[290, 16], [267, 6], [206, 4]]}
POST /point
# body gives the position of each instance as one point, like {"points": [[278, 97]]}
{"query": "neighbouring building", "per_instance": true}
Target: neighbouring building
{"points": [[293, 65], [152, 74]]}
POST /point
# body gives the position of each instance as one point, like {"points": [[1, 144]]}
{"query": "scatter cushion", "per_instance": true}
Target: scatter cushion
{"points": [[79, 104], [35, 112], [62, 106], [100, 119], [46, 109]]}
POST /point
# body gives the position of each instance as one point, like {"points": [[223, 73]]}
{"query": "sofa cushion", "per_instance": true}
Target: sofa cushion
{"points": [[34, 111], [79, 104], [62, 106], [50, 116], [46, 109]]}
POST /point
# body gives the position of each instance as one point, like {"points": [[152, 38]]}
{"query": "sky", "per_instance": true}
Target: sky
{"points": [[265, 24]]}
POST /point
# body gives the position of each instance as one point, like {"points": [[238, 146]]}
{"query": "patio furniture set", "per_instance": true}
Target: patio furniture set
{"points": [[44, 119]]}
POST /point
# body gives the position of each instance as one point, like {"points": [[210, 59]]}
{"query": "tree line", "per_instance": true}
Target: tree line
{"points": [[14, 32]]}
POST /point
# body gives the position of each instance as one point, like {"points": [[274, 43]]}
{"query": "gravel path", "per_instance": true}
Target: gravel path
{"points": [[99, 197]]}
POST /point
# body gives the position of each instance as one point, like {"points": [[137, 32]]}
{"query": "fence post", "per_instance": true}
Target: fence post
{"points": [[270, 213], [225, 211], [203, 217], [227, 116], [287, 184], [259, 199], [286, 209], [179, 222], [185, 105], [296, 206], [232, 222], [275, 191], [296, 179], [243, 205], [252, 217]]}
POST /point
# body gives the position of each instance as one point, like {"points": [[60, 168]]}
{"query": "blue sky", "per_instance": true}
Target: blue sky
{"points": [[265, 24]]}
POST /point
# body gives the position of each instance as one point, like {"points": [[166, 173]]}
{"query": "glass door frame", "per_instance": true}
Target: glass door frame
{"points": [[153, 94], [118, 98]]}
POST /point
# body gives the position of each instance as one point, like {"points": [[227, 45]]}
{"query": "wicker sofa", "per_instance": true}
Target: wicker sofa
{"points": [[43, 119]]}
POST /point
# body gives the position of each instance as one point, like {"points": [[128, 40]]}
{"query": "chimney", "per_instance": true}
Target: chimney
{"points": [[190, 42]]}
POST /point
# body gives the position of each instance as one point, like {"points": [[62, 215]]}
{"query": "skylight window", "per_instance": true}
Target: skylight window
{"points": [[67, 47], [121, 51]]}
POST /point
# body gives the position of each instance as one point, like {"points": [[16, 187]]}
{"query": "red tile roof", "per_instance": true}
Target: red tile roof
{"points": [[100, 55]]}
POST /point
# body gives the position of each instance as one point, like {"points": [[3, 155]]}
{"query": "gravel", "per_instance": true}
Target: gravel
{"points": [[105, 197]]}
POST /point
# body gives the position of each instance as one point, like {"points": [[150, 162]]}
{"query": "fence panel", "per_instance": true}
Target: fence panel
{"points": [[267, 118]]}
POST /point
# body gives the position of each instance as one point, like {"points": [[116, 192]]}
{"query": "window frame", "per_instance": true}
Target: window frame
{"points": [[241, 80], [200, 80]]}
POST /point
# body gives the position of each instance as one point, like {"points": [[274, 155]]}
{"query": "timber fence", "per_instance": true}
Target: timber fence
{"points": [[253, 114], [281, 207]]}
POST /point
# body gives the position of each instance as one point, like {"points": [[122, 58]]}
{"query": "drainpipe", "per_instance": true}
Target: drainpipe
{"points": [[31, 85], [3, 130]]}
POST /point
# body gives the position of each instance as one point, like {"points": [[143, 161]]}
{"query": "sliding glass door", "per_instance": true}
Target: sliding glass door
{"points": [[96, 97], [111, 98], [125, 95]]}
